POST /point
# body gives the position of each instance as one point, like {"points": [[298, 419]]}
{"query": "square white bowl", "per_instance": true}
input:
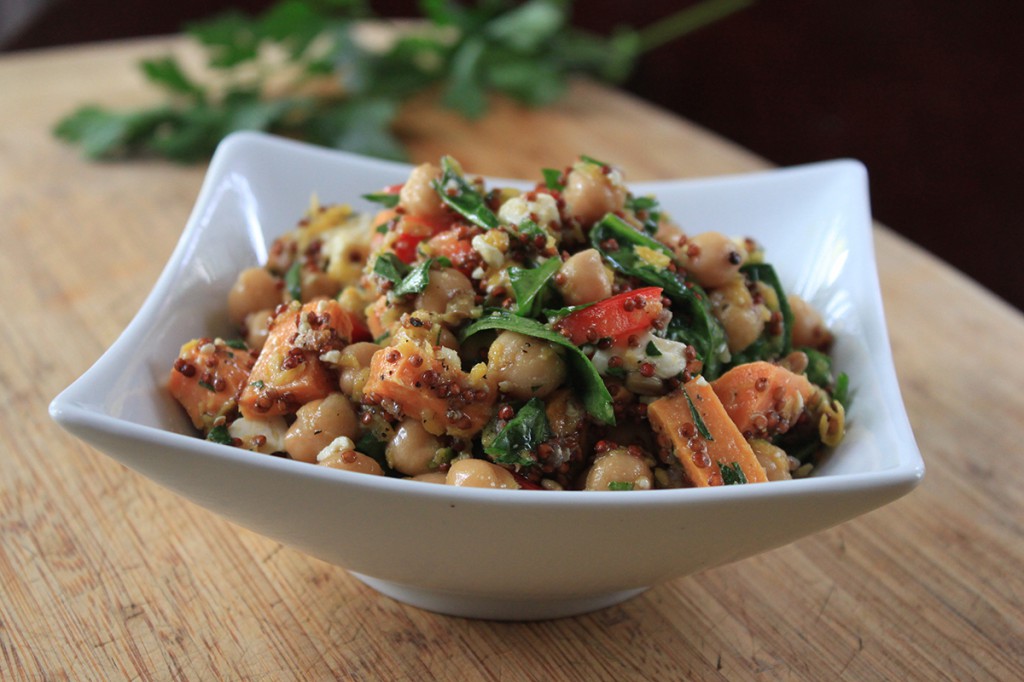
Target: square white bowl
{"points": [[497, 553]]}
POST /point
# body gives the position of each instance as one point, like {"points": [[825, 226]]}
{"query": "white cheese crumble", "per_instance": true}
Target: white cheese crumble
{"points": [[338, 445], [518, 209], [670, 363], [260, 435]]}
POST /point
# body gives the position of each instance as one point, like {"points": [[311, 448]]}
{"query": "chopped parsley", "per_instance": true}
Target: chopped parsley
{"points": [[698, 422], [219, 434], [732, 473]]}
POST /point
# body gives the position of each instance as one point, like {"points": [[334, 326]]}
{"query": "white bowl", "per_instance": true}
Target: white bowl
{"points": [[498, 553]]}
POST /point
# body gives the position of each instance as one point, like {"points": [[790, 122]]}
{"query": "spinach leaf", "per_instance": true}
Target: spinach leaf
{"points": [[455, 191], [530, 286], [595, 395], [521, 436]]}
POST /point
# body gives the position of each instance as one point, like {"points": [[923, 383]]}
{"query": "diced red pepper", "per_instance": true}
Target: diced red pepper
{"points": [[615, 318]]}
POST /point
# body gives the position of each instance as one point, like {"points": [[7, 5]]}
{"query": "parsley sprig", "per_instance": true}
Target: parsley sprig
{"points": [[305, 69]]}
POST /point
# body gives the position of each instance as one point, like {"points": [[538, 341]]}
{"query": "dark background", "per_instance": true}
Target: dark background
{"points": [[929, 94]]}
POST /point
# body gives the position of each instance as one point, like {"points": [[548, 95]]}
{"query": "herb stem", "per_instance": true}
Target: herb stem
{"points": [[686, 21]]}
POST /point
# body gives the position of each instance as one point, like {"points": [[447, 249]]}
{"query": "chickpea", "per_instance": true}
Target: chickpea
{"points": [[524, 366], [351, 460], [808, 327], [476, 473], [590, 193], [318, 285], [735, 309], [584, 278], [432, 477], [418, 196], [712, 258], [619, 467], [449, 293], [256, 327], [317, 424], [355, 368], [774, 459], [255, 289], [412, 449]]}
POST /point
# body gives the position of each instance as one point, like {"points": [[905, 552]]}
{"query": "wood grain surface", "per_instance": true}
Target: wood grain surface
{"points": [[106, 576]]}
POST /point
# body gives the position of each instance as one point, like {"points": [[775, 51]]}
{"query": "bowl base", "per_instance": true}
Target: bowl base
{"points": [[496, 608]]}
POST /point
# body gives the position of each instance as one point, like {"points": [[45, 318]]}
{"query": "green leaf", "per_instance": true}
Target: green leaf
{"points": [[416, 281], [652, 350], [595, 395], [621, 485], [220, 434], [841, 392], [464, 91], [553, 179], [819, 367], [529, 285], [376, 449], [529, 26], [732, 473], [167, 73], [231, 38], [385, 199], [237, 344], [390, 267], [521, 436], [457, 193], [698, 421], [293, 281]]}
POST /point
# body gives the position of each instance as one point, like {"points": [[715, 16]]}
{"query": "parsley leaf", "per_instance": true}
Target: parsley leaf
{"points": [[525, 51], [219, 434], [698, 421], [732, 473]]}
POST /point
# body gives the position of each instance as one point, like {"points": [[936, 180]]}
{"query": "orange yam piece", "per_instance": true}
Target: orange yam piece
{"points": [[207, 378], [422, 383], [288, 372], [703, 459], [763, 399]]}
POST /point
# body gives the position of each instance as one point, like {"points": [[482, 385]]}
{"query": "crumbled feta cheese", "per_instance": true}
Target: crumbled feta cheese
{"points": [[338, 445], [671, 362], [491, 254], [260, 435], [543, 210]]}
